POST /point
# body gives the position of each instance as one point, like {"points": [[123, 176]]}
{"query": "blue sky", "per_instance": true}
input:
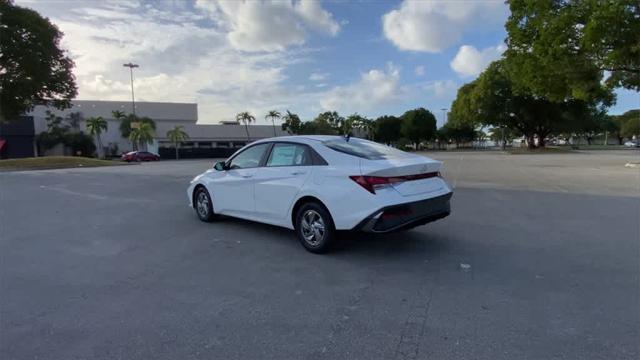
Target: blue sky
{"points": [[370, 57]]}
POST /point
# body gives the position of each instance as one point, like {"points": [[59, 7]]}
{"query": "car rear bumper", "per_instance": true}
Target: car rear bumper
{"points": [[407, 215]]}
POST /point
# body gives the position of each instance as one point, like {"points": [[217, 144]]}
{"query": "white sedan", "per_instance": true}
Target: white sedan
{"points": [[316, 185]]}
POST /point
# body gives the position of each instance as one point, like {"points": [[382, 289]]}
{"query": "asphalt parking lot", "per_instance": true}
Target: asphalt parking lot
{"points": [[540, 259]]}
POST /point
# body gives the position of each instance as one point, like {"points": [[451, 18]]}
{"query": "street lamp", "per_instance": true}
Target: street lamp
{"points": [[133, 99]]}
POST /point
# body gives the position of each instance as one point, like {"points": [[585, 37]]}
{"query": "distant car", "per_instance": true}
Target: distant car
{"points": [[140, 156], [632, 143], [316, 185]]}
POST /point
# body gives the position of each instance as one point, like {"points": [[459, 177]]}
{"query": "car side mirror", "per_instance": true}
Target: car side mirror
{"points": [[220, 166]]}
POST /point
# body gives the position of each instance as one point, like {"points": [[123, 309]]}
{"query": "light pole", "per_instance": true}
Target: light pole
{"points": [[444, 115], [133, 98]]}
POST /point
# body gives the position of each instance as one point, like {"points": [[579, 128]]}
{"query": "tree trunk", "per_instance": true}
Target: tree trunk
{"points": [[100, 149], [620, 138], [274, 127], [541, 142], [531, 144], [246, 128], [606, 138], [176, 146]]}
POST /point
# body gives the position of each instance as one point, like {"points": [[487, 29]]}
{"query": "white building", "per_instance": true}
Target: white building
{"points": [[204, 139]]}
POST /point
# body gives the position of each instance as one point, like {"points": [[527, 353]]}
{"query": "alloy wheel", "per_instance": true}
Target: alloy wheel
{"points": [[313, 228], [202, 204]]}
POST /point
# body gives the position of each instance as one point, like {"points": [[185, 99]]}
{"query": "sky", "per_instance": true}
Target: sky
{"points": [[368, 57]]}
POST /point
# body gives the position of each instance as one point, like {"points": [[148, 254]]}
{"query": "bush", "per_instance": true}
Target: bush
{"points": [[48, 140], [80, 143]]}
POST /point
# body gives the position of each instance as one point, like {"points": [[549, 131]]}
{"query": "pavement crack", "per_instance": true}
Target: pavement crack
{"points": [[414, 326]]}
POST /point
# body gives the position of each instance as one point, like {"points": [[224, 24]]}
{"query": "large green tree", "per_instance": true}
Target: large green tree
{"points": [[323, 125], [459, 133], [418, 125], [561, 49], [630, 123], [464, 109], [388, 129], [33, 67], [493, 100], [334, 120]]}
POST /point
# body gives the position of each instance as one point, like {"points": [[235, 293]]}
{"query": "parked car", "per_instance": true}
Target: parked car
{"points": [[140, 156], [632, 143], [316, 185]]}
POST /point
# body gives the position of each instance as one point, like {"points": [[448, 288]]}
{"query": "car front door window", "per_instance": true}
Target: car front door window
{"points": [[249, 158], [289, 155]]}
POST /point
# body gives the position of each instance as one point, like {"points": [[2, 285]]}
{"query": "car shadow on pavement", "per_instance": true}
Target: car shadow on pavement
{"points": [[404, 244]]}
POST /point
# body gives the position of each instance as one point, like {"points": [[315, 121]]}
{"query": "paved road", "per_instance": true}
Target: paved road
{"points": [[109, 263]]}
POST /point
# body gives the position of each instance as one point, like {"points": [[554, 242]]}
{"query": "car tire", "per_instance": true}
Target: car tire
{"points": [[314, 228], [203, 205]]}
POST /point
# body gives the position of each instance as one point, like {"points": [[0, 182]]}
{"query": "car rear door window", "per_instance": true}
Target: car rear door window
{"points": [[288, 154], [249, 158]]}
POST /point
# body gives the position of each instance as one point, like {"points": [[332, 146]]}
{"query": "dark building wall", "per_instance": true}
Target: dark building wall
{"points": [[19, 135], [196, 153]]}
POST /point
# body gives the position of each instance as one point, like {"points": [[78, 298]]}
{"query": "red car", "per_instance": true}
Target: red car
{"points": [[140, 156]]}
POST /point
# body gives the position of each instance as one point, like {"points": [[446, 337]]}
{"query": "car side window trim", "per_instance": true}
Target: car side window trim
{"points": [[265, 156]]}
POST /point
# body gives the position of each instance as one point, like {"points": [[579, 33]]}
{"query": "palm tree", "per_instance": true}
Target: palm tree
{"points": [[95, 126], [292, 123], [176, 136], [273, 114], [142, 134], [246, 118], [118, 115]]}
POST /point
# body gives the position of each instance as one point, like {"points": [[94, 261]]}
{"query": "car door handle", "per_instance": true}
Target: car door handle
{"points": [[298, 172], [246, 176]]}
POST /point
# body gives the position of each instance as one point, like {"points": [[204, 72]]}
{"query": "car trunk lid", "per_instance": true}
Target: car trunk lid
{"points": [[411, 174]]}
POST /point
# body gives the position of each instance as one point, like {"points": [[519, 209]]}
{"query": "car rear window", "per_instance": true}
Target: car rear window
{"points": [[362, 148]]}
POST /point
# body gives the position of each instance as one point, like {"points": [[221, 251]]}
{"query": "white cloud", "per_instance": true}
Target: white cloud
{"points": [[442, 89], [470, 61], [181, 60], [268, 25], [419, 70], [374, 88], [432, 26], [316, 17], [317, 76]]}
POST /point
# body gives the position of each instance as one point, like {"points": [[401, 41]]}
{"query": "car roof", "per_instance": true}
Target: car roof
{"points": [[305, 139]]}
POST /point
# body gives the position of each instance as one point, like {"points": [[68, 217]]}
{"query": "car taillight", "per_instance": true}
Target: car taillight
{"points": [[371, 183]]}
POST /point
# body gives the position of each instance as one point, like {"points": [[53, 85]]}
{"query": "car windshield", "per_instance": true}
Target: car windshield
{"points": [[363, 148]]}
